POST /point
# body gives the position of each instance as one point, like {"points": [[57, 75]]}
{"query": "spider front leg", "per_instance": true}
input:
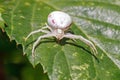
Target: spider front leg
{"points": [[89, 43], [38, 41], [39, 30]]}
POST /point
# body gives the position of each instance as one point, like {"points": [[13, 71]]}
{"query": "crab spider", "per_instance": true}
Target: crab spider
{"points": [[58, 24]]}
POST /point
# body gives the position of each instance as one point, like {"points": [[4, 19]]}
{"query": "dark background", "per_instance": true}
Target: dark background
{"points": [[14, 65]]}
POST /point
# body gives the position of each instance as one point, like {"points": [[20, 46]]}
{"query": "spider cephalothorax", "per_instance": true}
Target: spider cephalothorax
{"points": [[58, 24]]}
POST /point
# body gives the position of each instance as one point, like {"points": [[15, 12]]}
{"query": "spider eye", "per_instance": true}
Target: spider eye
{"points": [[58, 19]]}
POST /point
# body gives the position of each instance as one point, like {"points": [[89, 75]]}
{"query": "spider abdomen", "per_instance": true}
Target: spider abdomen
{"points": [[58, 19]]}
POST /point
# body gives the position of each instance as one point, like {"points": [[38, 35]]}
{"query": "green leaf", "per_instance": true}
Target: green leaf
{"points": [[97, 20]]}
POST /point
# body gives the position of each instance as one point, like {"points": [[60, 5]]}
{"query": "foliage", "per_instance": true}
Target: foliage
{"points": [[96, 20]]}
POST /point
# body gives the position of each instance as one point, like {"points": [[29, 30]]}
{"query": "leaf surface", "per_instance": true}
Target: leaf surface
{"points": [[96, 20]]}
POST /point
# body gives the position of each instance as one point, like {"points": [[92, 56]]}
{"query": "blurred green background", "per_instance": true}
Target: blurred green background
{"points": [[14, 65]]}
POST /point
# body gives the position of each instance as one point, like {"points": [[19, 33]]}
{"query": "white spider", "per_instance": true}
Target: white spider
{"points": [[58, 24]]}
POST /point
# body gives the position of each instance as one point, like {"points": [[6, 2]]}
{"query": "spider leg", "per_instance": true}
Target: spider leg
{"points": [[36, 31], [38, 41], [48, 27], [88, 42]]}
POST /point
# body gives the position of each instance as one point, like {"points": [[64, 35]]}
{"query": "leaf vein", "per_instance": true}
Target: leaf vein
{"points": [[12, 16]]}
